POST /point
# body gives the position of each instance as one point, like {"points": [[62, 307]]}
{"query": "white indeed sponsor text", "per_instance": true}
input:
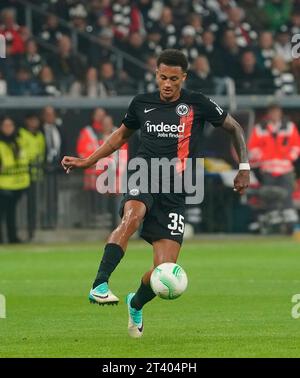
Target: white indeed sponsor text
{"points": [[164, 128]]}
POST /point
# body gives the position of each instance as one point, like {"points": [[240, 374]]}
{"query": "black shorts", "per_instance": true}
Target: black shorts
{"points": [[165, 215]]}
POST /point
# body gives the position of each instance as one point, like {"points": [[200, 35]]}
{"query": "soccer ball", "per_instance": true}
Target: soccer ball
{"points": [[168, 280]]}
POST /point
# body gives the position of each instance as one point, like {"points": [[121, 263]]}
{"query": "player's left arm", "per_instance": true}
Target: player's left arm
{"points": [[242, 179]]}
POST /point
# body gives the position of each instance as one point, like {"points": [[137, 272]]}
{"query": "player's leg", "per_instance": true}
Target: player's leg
{"points": [[133, 215], [164, 250]]}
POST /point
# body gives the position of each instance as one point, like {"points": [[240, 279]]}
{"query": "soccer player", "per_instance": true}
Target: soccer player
{"points": [[160, 214]]}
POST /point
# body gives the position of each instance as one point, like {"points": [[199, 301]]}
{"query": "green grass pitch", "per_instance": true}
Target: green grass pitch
{"points": [[238, 302]]}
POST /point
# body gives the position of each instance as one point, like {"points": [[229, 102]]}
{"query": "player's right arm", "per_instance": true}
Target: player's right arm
{"points": [[113, 143]]}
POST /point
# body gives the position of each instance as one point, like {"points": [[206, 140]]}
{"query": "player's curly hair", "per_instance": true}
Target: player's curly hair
{"points": [[173, 57]]}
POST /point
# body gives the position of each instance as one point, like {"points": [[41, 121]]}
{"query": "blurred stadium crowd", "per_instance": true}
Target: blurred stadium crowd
{"points": [[105, 48], [247, 40]]}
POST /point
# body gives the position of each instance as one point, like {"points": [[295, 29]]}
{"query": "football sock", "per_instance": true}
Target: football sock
{"points": [[143, 295], [113, 254]]}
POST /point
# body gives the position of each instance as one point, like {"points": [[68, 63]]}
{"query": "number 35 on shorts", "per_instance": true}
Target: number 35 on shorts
{"points": [[176, 224]]}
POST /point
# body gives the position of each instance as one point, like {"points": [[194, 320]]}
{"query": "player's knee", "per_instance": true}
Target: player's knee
{"points": [[132, 221]]}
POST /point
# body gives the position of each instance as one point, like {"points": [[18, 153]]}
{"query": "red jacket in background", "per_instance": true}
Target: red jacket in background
{"points": [[88, 141], [124, 24], [274, 151], [13, 37]]}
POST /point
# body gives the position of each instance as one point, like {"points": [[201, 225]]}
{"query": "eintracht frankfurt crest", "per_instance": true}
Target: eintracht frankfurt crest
{"points": [[182, 109]]}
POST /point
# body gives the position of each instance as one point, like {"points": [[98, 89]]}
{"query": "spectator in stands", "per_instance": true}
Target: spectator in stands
{"points": [[294, 22], [47, 83], [180, 9], [102, 23], [283, 45], [3, 85], [116, 84], [96, 9], [188, 44], [25, 34], [11, 31], [90, 87], [14, 46], [277, 13], [149, 76], [296, 72], [125, 17], [212, 53], [231, 54], [78, 17], [51, 32], [221, 8], [23, 84], [167, 28], [108, 78], [32, 59], [60, 7], [67, 66], [127, 85], [150, 11], [200, 77], [265, 52], [153, 43], [102, 52], [253, 13], [135, 47], [14, 177], [274, 146], [195, 20], [244, 33], [35, 145], [284, 81], [207, 12], [250, 79]]}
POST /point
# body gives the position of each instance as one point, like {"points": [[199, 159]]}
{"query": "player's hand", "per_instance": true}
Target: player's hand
{"points": [[69, 163], [242, 181]]}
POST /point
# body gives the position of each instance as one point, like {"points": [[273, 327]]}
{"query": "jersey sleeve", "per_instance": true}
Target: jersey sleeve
{"points": [[211, 111], [131, 120]]}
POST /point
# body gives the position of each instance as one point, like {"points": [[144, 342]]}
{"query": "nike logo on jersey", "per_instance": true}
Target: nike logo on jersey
{"points": [[175, 233], [148, 110]]}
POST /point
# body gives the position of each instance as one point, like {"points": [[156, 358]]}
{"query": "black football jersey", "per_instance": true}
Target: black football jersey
{"points": [[171, 129]]}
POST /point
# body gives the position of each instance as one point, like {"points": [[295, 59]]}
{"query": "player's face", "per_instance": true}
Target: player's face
{"points": [[170, 80]]}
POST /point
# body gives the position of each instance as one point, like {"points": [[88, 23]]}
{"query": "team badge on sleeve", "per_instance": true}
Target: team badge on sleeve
{"points": [[182, 109]]}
